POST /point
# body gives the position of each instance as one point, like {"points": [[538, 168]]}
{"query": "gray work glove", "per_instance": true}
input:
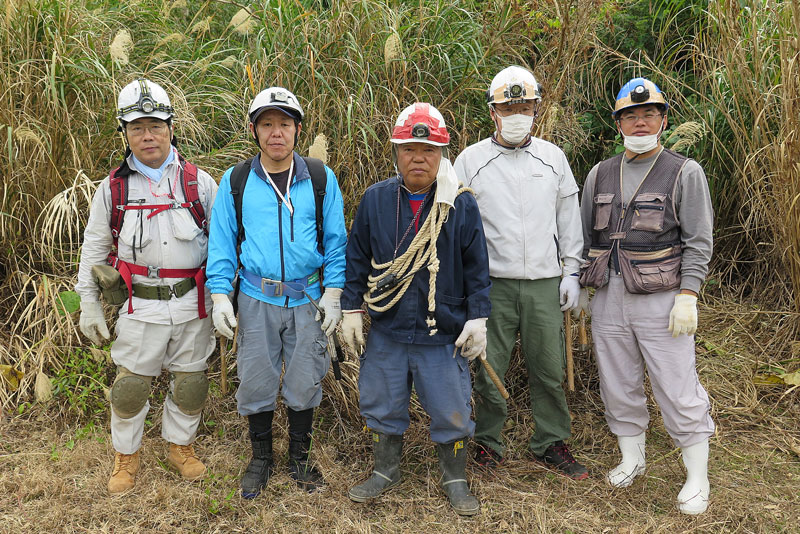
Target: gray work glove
{"points": [[333, 310], [93, 323], [222, 314], [472, 340], [353, 330]]}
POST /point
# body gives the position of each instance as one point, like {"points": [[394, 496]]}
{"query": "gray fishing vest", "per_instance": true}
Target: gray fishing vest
{"points": [[650, 222]]}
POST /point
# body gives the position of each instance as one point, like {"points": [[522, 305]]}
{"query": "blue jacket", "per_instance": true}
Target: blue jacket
{"points": [[277, 245], [462, 285]]}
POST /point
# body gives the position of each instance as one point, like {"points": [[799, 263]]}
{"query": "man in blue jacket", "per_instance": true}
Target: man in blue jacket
{"points": [[417, 256], [280, 263]]}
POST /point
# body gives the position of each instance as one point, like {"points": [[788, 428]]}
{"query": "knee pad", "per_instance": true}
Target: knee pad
{"points": [[189, 391], [129, 393]]}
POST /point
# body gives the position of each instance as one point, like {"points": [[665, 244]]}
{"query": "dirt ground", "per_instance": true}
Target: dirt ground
{"points": [[54, 469]]}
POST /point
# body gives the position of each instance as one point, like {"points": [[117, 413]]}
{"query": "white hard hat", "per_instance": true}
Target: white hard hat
{"points": [[420, 123], [143, 98], [514, 85], [276, 98]]}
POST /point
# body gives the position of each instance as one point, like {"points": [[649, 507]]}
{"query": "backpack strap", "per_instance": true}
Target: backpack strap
{"points": [[190, 193], [239, 177], [118, 183], [319, 181]]}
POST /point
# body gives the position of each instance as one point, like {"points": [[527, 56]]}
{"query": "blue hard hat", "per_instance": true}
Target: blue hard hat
{"points": [[638, 92]]}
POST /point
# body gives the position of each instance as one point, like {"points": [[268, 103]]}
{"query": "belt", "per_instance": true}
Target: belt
{"points": [[164, 292], [276, 288], [198, 276]]}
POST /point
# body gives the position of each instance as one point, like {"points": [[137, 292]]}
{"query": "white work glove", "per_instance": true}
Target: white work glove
{"points": [[472, 340], [683, 317], [583, 304], [222, 314], [353, 330], [333, 310], [568, 292], [93, 323]]}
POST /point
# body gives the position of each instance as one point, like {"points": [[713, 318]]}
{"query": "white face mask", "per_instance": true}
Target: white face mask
{"points": [[515, 128], [641, 144]]}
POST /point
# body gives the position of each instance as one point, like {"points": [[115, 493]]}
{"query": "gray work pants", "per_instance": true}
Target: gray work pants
{"points": [[630, 332]]}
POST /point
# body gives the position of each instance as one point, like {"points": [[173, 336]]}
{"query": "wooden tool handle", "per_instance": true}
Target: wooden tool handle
{"points": [[495, 379], [570, 362]]}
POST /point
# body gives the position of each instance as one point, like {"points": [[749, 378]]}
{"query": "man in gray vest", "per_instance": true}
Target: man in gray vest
{"points": [[647, 221]]}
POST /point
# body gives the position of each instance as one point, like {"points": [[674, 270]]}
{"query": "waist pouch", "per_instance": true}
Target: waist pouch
{"points": [[595, 272], [651, 272], [110, 283]]}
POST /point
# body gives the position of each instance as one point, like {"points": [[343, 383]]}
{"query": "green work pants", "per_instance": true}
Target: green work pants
{"points": [[531, 308]]}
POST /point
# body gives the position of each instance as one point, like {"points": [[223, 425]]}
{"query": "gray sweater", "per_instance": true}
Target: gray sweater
{"points": [[694, 210]]}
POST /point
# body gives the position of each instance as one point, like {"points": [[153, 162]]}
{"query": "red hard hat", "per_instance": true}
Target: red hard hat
{"points": [[420, 123]]}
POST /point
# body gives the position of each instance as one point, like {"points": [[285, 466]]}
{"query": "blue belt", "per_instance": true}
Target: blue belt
{"points": [[275, 288]]}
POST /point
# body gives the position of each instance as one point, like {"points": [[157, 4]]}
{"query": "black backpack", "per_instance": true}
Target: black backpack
{"points": [[319, 181]]}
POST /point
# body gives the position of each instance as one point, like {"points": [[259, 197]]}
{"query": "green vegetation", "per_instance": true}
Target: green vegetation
{"points": [[730, 70]]}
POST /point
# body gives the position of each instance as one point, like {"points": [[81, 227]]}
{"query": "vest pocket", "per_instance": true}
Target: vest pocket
{"points": [[602, 210], [648, 214]]}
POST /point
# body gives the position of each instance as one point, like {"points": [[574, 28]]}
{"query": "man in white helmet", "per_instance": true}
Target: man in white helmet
{"points": [[417, 257], [647, 226], [528, 200], [145, 246], [266, 227]]}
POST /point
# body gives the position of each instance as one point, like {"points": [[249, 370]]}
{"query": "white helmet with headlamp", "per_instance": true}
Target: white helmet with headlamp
{"points": [[143, 98], [276, 98], [513, 85]]}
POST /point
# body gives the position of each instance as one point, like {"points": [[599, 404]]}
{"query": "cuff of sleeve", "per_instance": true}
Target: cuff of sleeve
{"points": [[692, 283]]}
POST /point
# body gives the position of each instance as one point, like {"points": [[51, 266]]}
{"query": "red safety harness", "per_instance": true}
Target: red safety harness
{"points": [[119, 205]]}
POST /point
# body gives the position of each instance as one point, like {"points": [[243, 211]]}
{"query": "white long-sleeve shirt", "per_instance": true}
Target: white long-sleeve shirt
{"points": [[171, 240], [528, 200]]}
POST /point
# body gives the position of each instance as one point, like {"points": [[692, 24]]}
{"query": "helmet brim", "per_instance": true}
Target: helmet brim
{"points": [[291, 113]]}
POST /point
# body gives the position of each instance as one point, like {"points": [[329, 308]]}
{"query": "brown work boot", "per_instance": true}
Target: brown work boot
{"points": [[183, 458], [123, 477]]}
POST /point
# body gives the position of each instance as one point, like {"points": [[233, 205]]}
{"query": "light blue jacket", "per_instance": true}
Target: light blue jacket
{"points": [[278, 244]]}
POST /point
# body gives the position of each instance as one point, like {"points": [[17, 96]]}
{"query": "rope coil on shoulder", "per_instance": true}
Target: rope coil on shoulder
{"points": [[420, 253]]}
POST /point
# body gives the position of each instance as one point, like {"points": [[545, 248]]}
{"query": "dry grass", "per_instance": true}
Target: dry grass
{"points": [[54, 469]]}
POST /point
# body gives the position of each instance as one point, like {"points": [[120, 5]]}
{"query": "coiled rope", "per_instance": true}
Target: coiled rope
{"points": [[421, 252]]}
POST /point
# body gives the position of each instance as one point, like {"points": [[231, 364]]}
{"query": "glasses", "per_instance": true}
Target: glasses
{"points": [[138, 130], [632, 119]]}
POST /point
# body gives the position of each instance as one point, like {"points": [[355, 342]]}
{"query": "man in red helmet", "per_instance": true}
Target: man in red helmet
{"points": [[417, 256], [647, 225]]}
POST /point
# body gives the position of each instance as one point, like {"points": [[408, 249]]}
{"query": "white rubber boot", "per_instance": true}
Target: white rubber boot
{"points": [[632, 464], [693, 498]]}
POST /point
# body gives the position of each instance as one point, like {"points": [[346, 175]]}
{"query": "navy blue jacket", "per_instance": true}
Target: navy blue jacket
{"points": [[462, 285]]}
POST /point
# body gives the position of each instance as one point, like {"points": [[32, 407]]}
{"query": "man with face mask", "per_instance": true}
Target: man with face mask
{"points": [[277, 258], [647, 227], [528, 200]]}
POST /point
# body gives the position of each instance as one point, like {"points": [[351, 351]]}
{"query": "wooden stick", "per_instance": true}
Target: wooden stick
{"points": [[223, 364], [583, 339], [570, 361], [493, 376]]}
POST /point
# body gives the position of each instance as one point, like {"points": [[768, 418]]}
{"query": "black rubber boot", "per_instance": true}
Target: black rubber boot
{"points": [[387, 450], [300, 469], [452, 462], [260, 467]]}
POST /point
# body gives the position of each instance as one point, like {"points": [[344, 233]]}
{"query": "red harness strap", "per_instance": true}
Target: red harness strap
{"points": [[127, 270]]}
